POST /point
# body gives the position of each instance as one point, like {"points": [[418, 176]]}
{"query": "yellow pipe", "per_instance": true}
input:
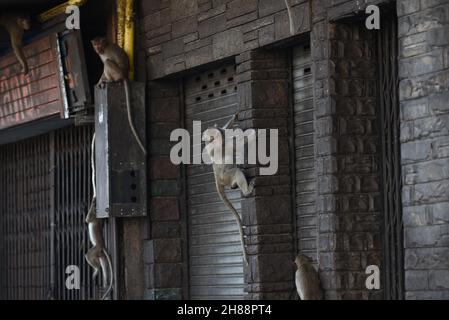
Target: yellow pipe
{"points": [[128, 45], [121, 11], [125, 30], [60, 9]]}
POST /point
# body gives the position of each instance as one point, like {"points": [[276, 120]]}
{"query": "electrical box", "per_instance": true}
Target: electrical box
{"points": [[121, 175]]}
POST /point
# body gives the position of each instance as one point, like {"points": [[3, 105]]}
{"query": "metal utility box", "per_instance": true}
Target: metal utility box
{"points": [[121, 173]]}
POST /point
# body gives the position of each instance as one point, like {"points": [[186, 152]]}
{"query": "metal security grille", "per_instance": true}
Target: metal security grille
{"points": [[215, 256], [45, 191], [72, 197], [306, 215], [387, 44], [25, 196]]}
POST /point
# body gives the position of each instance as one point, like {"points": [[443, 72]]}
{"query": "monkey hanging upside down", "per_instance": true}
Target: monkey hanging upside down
{"points": [[98, 256]]}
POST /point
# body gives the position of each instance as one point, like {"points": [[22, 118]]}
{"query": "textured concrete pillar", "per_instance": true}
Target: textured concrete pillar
{"points": [[424, 96], [264, 95], [164, 251], [347, 155]]}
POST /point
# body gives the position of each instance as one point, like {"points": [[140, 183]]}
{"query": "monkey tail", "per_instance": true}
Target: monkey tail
{"points": [[228, 203], [130, 121], [111, 283], [290, 17]]}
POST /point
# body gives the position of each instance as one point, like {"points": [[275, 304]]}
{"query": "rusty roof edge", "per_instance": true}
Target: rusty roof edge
{"points": [[59, 9]]}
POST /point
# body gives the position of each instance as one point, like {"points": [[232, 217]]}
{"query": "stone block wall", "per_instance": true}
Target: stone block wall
{"points": [[264, 95], [183, 34], [164, 251], [180, 36], [347, 153], [424, 95]]}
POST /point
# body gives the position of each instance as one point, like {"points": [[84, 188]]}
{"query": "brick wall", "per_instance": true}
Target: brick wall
{"points": [[179, 36], [183, 34], [424, 95], [163, 253], [347, 165], [264, 95], [193, 33]]}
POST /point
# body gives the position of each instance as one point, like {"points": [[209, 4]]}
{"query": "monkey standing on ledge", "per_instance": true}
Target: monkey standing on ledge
{"points": [[116, 68], [16, 24]]}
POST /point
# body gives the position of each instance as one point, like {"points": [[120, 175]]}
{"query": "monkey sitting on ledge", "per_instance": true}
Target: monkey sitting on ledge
{"points": [[16, 24], [114, 58], [116, 68]]}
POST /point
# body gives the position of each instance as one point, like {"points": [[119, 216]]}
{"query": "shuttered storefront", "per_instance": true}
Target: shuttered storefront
{"points": [[306, 215], [215, 256], [25, 215], [44, 195]]}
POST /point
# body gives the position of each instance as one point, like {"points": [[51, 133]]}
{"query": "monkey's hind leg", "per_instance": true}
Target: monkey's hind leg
{"points": [[93, 260], [242, 183], [113, 72]]}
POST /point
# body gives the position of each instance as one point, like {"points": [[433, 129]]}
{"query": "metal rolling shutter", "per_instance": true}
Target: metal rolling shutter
{"points": [[45, 192], [25, 215], [306, 215], [215, 257]]}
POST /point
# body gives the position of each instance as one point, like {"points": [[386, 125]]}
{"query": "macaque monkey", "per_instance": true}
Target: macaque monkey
{"points": [[114, 58], [97, 256], [226, 175], [16, 24], [116, 68], [307, 279]]}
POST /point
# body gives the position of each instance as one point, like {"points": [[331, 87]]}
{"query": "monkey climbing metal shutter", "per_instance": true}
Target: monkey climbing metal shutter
{"points": [[391, 163], [215, 253], [303, 115], [44, 194]]}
